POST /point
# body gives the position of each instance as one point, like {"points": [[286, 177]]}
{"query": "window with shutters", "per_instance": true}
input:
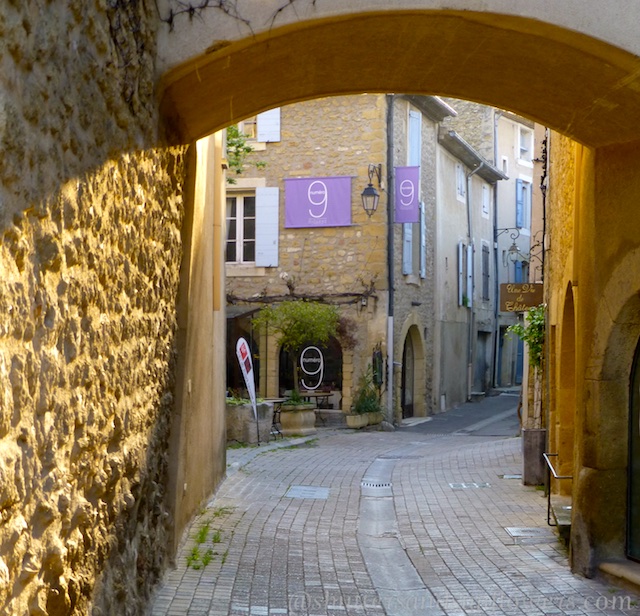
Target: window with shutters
{"points": [[525, 145], [253, 227], [241, 229], [485, 271], [461, 183], [486, 200], [523, 204], [249, 128], [465, 275], [262, 128]]}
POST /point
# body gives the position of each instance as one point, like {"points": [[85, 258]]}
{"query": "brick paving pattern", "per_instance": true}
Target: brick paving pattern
{"points": [[258, 551]]}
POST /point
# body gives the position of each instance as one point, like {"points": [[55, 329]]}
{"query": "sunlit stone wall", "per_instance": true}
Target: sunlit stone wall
{"points": [[90, 218]]}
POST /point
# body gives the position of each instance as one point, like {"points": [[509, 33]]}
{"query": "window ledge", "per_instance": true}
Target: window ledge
{"points": [[234, 270], [412, 279]]}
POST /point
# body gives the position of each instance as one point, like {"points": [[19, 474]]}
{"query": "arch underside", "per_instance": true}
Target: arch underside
{"points": [[584, 88]]}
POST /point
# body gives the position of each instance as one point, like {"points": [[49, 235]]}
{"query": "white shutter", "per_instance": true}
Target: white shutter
{"points": [[470, 275], [269, 125], [407, 248], [267, 226], [415, 139], [423, 240], [461, 281]]}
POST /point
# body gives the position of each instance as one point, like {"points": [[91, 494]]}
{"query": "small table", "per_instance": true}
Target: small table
{"points": [[275, 422], [319, 397]]}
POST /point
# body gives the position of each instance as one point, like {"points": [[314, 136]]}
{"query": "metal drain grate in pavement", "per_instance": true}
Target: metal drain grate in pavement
{"points": [[308, 492], [374, 484], [469, 485]]}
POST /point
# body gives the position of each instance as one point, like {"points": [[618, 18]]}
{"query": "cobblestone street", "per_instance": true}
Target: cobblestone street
{"points": [[379, 523]]}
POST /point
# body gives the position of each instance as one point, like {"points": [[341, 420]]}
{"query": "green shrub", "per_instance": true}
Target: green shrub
{"points": [[367, 397]]}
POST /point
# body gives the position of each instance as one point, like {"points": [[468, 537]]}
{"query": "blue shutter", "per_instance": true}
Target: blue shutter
{"points": [[267, 226], [407, 248], [519, 205], [268, 125], [518, 271]]}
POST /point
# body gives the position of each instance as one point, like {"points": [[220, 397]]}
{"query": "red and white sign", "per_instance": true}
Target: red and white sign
{"points": [[243, 352]]}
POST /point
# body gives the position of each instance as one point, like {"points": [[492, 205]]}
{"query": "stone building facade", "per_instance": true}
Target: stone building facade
{"points": [[423, 327]]}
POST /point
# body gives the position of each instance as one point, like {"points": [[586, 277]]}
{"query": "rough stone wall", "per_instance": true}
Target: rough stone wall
{"points": [[90, 220], [561, 208], [475, 124]]}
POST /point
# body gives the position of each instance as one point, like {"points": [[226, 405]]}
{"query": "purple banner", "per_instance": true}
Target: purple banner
{"points": [[407, 194], [317, 202]]}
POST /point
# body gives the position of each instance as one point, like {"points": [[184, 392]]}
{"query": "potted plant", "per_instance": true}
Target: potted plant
{"points": [[534, 434], [366, 409], [295, 323]]}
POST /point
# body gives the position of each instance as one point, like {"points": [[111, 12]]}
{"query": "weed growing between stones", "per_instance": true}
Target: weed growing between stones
{"points": [[199, 557]]}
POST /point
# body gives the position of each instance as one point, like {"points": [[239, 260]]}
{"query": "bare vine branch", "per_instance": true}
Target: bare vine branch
{"points": [[195, 10], [323, 298], [228, 7]]}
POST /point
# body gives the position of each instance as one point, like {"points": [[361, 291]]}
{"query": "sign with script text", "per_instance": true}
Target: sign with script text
{"points": [[317, 202], [520, 296]]}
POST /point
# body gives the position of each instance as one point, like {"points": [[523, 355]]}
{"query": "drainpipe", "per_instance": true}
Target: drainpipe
{"points": [[496, 282], [472, 313], [390, 259]]}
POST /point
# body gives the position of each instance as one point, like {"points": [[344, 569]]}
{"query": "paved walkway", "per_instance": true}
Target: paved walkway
{"points": [[378, 523]]}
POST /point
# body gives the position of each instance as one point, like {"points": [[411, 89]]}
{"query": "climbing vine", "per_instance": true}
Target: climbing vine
{"points": [[238, 148], [532, 333]]}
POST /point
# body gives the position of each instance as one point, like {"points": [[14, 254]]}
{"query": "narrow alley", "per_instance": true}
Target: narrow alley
{"points": [[432, 519]]}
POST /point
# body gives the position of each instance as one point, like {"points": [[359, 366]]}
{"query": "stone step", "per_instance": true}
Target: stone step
{"points": [[333, 418], [622, 572], [561, 512]]}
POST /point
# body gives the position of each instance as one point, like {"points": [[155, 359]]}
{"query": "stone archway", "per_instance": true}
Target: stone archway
{"points": [[601, 454], [583, 87], [565, 395], [412, 385], [575, 83]]}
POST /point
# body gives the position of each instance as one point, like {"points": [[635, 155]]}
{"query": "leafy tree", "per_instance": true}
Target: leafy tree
{"points": [[296, 322]]}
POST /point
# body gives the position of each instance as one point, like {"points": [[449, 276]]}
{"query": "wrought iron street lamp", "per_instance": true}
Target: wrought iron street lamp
{"points": [[370, 196]]}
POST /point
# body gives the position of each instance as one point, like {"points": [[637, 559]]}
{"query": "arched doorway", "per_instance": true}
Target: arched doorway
{"points": [[408, 379], [565, 420], [633, 502], [320, 368]]}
